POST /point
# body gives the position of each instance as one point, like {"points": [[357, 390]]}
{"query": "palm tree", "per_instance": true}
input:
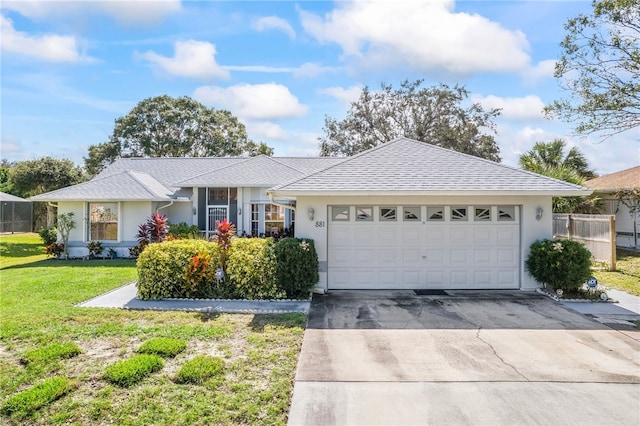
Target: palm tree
{"points": [[545, 157], [548, 159]]}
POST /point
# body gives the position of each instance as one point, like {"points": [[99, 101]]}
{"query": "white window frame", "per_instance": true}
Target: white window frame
{"points": [[89, 236]]}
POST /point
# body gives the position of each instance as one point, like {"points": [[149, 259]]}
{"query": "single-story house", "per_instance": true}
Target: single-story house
{"points": [[606, 188], [402, 215]]}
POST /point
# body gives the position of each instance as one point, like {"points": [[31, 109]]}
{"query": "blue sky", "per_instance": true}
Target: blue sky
{"points": [[69, 69]]}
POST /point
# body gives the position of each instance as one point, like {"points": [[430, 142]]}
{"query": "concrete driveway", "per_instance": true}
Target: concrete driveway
{"points": [[482, 358]]}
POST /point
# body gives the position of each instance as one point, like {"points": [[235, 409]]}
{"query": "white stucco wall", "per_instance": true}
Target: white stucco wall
{"points": [[531, 229]]}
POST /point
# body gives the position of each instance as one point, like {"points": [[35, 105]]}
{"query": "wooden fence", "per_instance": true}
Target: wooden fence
{"points": [[597, 232]]}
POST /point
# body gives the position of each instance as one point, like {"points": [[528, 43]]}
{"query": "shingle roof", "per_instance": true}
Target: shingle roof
{"points": [[257, 171], [123, 186], [166, 178], [624, 179], [8, 197], [408, 166]]}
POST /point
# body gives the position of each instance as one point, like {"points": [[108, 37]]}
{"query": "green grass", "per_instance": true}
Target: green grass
{"points": [[627, 274], [37, 304], [51, 352], [130, 371], [20, 249], [25, 403], [199, 369], [162, 346]]}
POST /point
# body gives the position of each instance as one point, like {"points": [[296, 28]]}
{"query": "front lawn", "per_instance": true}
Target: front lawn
{"points": [[253, 386], [19, 249], [627, 275]]}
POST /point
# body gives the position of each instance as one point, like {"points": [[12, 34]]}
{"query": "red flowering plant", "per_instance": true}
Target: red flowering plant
{"points": [[198, 274], [225, 231]]}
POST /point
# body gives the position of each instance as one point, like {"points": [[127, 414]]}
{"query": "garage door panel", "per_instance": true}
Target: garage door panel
{"points": [[507, 235], [506, 257], [435, 257], [482, 279], [483, 235], [365, 235], [411, 257], [388, 235], [366, 257], [482, 256], [388, 256], [458, 256], [506, 278], [435, 236], [411, 279], [387, 278], [459, 235], [341, 256]]}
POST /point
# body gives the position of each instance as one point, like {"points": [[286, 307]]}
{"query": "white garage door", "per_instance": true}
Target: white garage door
{"points": [[424, 247]]}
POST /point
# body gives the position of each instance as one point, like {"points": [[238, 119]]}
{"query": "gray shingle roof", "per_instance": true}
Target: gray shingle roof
{"points": [[168, 178], [8, 197], [123, 186], [255, 171], [408, 166]]}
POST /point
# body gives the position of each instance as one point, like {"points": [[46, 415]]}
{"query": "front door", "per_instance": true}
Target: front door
{"points": [[218, 213]]}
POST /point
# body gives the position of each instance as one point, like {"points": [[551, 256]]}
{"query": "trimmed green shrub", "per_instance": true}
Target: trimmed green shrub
{"points": [[297, 270], [561, 264], [162, 346], [251, 269], [199, 369], [48, 236], [182, 230], [25, 403], [53, 351], [161, 270], [131, 371]]}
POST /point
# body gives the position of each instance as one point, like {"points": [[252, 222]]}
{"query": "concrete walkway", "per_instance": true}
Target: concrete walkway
{"points": [[625, 309], [125, 298], [468, 358]]}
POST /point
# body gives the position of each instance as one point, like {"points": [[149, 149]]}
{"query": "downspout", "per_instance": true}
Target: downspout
{"points": [[164, 207], [275, 203]]}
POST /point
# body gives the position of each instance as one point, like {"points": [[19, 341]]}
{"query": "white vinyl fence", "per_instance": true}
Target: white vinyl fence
{"points": [[596, 231]]}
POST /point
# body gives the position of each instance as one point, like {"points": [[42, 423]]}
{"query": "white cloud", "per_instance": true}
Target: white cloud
{"points": [[346, 96], [522, 108], [311, 69], [265, 130], [274, 23], [543, 69], [49, 47], [131, 12], [192, 58], [253, 101], [259, 68], [423, 35]]}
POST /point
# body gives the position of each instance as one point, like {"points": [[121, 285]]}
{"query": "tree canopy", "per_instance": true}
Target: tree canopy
{"points": [[32, 177], [163, 126], [600, 68], [548, 159], [429, 114]]}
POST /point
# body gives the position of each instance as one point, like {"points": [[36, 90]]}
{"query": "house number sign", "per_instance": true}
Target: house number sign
{"points": [[319, 223]]}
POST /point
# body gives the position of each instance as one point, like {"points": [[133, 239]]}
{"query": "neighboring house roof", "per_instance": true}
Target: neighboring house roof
{"points": [[625, 179], [123, 186], [8, 197], [405, 166]]}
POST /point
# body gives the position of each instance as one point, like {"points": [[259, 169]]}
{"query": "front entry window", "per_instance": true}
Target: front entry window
{"points": [[103, 221], [273, 219]]}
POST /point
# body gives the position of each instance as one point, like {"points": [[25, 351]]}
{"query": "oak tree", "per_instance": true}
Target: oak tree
{"points": [[437, 115]]}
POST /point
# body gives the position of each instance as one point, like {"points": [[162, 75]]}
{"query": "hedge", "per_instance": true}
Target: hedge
{"points": [[561, 264], [256, 268], [161, 268]]}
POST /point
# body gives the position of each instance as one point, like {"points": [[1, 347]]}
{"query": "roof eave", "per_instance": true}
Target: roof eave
{"points": [[551, 193]]}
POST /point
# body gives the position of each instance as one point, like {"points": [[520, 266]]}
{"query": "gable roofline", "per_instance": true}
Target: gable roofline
{"points": [[571, 190], [156, 191]]}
